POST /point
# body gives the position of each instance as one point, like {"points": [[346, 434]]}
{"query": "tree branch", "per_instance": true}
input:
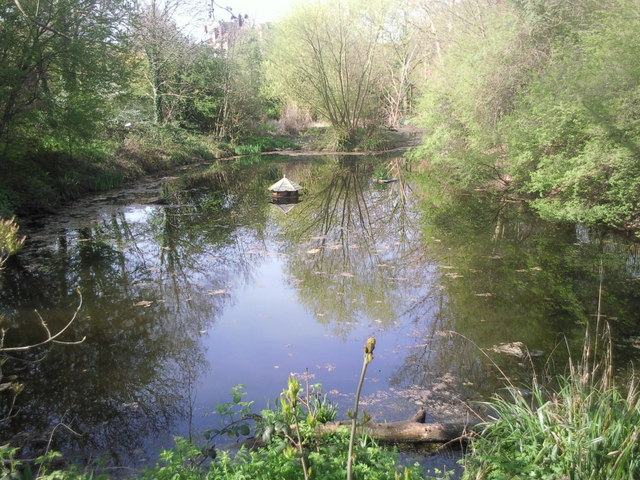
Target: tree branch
{"points": [[50, 338]]}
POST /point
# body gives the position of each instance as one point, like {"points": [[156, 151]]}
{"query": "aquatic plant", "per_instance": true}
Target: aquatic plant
{"points": [[10, 241], [581, 427]]}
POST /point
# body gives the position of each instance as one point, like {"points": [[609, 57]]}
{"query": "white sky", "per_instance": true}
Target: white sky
{"points": [[260, 10], [193, 16]]}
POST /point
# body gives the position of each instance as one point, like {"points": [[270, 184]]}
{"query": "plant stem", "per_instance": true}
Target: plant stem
{"points": [[302, 459], [368, 356]]}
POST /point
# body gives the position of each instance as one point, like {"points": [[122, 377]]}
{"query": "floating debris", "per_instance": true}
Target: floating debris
{"points": [[220, 291], [516, 349]]}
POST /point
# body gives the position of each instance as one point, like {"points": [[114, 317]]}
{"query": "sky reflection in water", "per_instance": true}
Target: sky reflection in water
{"points": [[211, 286]]}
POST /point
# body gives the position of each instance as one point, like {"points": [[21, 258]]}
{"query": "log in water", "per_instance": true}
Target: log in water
{"points": [[414, 430]]}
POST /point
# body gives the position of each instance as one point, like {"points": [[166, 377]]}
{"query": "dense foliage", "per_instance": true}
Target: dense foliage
{"points": [[542, 97], [535, 95], [95, 92]]}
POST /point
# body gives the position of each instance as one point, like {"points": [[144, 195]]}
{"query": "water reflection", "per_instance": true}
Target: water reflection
{"points": [[127, 379], [512, 285], [354, 247], [154, 278], [196, 283]]}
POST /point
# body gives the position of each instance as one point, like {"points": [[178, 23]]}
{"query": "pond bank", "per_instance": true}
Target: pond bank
{"points": [[45, 183]]}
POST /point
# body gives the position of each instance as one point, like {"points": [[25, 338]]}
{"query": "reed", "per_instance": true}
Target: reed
{"points": [[105, 181], [584, 427]]}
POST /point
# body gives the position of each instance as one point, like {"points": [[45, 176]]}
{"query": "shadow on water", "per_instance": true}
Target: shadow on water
{"points": [[153, 279], [195, 283]]}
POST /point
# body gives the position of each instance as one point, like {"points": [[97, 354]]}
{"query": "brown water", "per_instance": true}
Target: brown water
{"points": [[196, 283]]}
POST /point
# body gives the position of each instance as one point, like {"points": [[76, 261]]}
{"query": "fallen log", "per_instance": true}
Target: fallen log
{"points": [[414, 430]]}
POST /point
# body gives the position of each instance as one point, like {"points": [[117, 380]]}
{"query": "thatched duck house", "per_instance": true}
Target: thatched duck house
{"points": [[285, 188]]}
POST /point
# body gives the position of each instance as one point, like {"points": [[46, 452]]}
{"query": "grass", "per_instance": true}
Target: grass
{"points": [[10, 243], [255, 145], [105, 181], [328, 139], [41, 181], [584, 427]]}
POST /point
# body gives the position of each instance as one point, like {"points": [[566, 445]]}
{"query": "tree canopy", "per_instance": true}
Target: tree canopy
{"points": [[539, 97], [543, 97]]}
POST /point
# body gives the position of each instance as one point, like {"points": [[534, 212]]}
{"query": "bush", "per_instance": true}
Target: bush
{"points": [[294, 120], [371, 140], [291, 445], [10, 243]]}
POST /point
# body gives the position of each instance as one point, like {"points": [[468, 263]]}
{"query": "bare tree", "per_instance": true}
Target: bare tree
{"points": [[325, 57]]}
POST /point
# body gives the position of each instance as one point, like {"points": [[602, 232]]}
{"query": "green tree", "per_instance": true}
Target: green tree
{"points": [[244, 105], [204, 80], [326, 57], [166, 51], [542, 97], [473, 84], [61, 70], [575, 136]]}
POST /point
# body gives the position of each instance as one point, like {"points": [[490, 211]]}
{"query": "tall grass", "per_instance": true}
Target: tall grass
{"points": [[104, 181], [10, 241], [583, 427]]}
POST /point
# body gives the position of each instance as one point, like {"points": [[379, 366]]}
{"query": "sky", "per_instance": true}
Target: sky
{"points": [[193, 17], [260, 10]]}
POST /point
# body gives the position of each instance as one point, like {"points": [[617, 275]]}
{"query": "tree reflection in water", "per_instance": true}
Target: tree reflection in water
{"points": [[506, 278], [354, 251], [154, 278], [399, 260]]}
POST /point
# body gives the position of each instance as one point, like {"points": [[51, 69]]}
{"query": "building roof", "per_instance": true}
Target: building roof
{"points": [[285, 185]]}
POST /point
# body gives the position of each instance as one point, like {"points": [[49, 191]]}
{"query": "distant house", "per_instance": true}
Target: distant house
{"points": [[225, 34]]}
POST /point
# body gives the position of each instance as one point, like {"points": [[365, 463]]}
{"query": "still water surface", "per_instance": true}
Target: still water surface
{"points": [[195, 283]]}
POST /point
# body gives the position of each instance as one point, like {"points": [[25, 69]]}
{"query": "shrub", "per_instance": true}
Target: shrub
{"points": [[291, 445], [294, 120], [255, 145]]}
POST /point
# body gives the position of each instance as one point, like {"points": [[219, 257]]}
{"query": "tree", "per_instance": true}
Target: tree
{"points": [[61, 70], [166, 52], [541, 96], [204, 81], [404, 50], [244, 105], [575, 135], [326, 57]]}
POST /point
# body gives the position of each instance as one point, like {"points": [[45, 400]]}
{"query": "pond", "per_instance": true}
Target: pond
{"points": [[195, 283]]}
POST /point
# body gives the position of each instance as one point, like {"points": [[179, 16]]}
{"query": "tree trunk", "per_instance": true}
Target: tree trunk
{"points": [[413, 430]]}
